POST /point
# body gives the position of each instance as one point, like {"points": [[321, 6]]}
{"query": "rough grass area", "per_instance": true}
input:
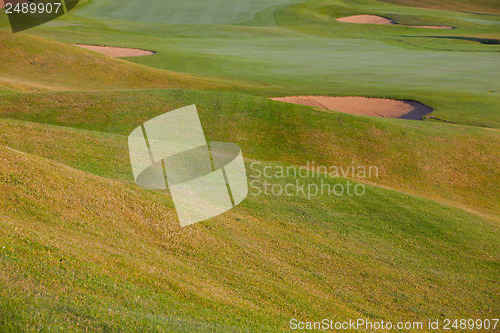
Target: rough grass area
{"points": [[80, 252]]}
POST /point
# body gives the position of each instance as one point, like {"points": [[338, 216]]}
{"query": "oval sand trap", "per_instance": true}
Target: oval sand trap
{"points": [[116, 52], [375, 107], [374, 19], [366, 19]]}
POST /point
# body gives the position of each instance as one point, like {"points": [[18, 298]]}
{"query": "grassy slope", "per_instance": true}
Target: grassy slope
{"points": [[34, 64], [72, 259], [479, 6], [445, 162]]}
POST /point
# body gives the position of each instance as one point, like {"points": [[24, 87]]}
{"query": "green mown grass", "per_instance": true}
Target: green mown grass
{"points": [[175, 12], [481, 6]]}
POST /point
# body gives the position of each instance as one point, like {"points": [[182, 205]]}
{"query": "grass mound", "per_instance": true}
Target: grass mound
{"points": [[35, 64]]}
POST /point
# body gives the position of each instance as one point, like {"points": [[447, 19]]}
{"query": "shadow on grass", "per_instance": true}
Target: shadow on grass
{"points": [[485, 41]]}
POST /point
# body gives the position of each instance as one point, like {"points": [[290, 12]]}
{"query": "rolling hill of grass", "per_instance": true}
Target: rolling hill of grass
{"points": [[82, 252], [31, 63]]}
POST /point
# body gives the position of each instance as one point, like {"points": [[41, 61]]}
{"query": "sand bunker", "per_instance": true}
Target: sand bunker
{"points": [[366, 19], [117, 52], [375, 107], [373, 19]]}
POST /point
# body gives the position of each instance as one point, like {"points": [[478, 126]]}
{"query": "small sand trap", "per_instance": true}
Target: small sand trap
{"points": [[366, 19], [375, 107], [374, 19], [116, 52]]}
